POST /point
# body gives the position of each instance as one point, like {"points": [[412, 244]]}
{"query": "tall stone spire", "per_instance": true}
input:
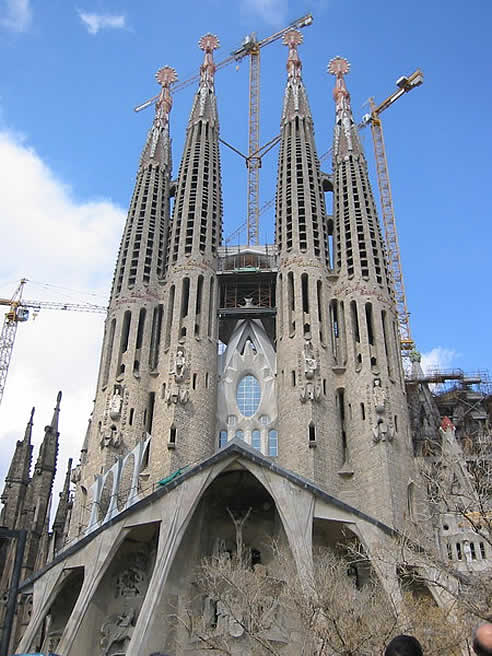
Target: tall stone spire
{"points": [[17, 479], [38, 497], [301, 212], [197, 216], [372, 415], [63, 510], [187, 414], [304, 406]]}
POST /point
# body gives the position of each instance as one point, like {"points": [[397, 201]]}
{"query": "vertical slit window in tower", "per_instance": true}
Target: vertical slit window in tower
{"points": [[211, 306], [193, 383], [330, 245], [198, 305], [355, 321], [150, 412], [125, 332], [385, 338], [170, 313], [335, 328], [109, 352], [172, 435], [369, 323], [256, 439], [272, 442], [140, 328], [132, 414], [280, 306], [185, 297], [155, 339], [291, 303], [398, 351], [293, 377], [363, 412], [312, 433], [342, 332], [321, 322], [341, 421], [305, 293]]}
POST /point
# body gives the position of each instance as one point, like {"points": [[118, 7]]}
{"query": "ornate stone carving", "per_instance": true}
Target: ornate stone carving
{"points": [[310, 362], [111, 439], [115, 404], [381, 430], [130, 581], [76, 474], [179, 365], [116, 633]]}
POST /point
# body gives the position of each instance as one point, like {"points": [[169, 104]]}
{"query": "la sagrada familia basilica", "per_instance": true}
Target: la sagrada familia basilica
{"points": [[262, 383]]}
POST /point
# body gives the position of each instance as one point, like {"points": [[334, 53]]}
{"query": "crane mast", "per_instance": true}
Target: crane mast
{"points": [[18, 312], [404, 84], [253, 161]]}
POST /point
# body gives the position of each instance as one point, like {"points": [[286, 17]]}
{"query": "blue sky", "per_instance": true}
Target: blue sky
{"points": [[70, 142]]}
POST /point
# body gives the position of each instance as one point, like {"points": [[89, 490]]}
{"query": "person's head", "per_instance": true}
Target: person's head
{"points": [[482, 640], [404, 645]]}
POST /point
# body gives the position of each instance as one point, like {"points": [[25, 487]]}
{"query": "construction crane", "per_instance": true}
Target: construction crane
{"points": [[18, 312], [404, 84], [250, 47], [266, 206]]}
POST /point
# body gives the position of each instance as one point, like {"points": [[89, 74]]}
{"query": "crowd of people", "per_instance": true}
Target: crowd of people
{"points": [[405, 645]]}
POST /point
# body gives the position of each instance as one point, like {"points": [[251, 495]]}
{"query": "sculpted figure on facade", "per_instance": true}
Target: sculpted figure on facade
{"points": [[310, 362], [116, 633], [115, 404], [381, 430]]}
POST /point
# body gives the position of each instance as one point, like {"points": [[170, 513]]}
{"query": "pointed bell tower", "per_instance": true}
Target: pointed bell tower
{"points": [[305, 377], [185, 414], [372, 411]]}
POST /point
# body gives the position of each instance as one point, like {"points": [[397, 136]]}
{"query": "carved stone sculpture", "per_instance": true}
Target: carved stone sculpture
{"points": [[381, 430], [115, 405], [117, 633]]}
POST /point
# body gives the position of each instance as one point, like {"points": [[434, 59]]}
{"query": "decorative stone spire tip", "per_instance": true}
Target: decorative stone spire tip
{"points": [[339, 66], [292, 39], [208, 43]]}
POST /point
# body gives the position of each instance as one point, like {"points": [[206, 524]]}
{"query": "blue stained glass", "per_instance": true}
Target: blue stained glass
{"points": [[256, 439], [222, 438], [272, 443], [248, 395], [240, 434]]}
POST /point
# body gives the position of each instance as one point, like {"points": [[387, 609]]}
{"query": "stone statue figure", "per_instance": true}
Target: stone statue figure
{"points": [[381, 430], [179, 365], [115, 405], [310, 362], [117, 633]]}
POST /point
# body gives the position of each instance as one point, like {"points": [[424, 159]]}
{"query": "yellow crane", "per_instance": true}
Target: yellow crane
{"points": [[404, 85], [250, 47], [18, 312]]}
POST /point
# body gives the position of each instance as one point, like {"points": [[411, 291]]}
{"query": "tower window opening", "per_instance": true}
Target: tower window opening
{"points": [[473, 551], [206, 380], [155, 337], [355, 320], [362, 411], [193, 382], [291, 302], [324, 386], [305, 293], [163, 391], [198, 306], [482, 550], [459, 553], [170, 316], [272, 442], [109, 352], [395, 418], [132, 414], [211, 307], [140, 328], [293, 377], [340, 403], [172, 435], [385, 339], [185, 297], [150, 413], [369, 324], [312, 433], [125, 331]]}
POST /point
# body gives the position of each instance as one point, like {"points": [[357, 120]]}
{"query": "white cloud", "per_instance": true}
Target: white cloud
{"points": [[50, 237], [15, 15], [96, 22], [274, 12], [438, 358]]}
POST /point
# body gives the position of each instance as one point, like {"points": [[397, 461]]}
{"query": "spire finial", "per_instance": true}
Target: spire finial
{"points": [[208, 43], [56, 414], [165, 76], [292, 39], [339, 66]]}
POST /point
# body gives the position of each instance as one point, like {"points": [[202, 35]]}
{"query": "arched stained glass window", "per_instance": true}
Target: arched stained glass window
{"points": [[256, 439], [248, 395], [240, 434], [222, 438], [272, 443]]}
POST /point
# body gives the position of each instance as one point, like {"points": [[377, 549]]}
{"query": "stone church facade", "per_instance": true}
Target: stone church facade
{"points": [[267, 378]]}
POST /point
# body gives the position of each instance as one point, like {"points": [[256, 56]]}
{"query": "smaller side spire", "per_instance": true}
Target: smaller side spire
{"points": [[208, 43], [157, 147], [346, 137], [62, 512]]}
